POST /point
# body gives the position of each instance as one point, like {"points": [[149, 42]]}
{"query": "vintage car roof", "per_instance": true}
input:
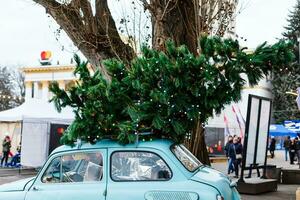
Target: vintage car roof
{"points": [[108, 143]]}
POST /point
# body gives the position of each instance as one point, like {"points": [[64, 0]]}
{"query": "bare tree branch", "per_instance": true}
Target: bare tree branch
{"points": [[147, 6], [95, 36], [167, 9]]}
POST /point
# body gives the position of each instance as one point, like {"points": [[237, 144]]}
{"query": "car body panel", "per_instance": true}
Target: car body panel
{"points": [[179, 185], [13, 195], [16, 186], [119, 190], [215, 179]]}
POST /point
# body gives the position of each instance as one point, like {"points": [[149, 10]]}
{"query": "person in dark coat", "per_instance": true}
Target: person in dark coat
{"points": [[292, 152], [286, 145], [272, 147], [297, 148], [230, 167], [6, 145], [235, 153]]}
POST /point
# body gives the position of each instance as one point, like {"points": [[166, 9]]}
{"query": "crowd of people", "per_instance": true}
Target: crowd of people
{"points": [[292, 149], [234, 152]]}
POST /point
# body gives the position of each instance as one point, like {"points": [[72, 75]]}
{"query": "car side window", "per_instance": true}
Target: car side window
{"points": [[139, 166], [75, 167]]}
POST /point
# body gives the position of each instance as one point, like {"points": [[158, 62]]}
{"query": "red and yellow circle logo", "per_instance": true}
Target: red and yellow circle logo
{"points": [[46, 55]]}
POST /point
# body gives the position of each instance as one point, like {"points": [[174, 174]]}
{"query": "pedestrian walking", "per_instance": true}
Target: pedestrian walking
{"points": [[292, 151], [272, 147], [235, 153], [286, 145], [6, 145], [230, 167]]}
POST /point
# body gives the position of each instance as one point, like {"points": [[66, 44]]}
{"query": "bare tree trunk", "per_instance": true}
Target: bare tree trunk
{"points": [[196, 143], [174, 20]]}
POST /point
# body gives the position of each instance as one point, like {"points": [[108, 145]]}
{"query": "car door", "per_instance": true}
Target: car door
{"points": [[145, 174], [73, 175]]}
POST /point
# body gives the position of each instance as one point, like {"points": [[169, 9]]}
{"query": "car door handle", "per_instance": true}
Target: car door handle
{"points": [[35, 188]]}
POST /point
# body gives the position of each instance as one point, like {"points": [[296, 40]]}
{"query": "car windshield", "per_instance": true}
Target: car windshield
{"points": [[189, 161]]}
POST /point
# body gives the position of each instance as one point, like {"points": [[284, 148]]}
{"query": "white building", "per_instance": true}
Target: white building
{"points": [[33, 123]]}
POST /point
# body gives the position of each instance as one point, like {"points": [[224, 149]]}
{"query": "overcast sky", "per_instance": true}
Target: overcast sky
{"points": [[26, 30]]}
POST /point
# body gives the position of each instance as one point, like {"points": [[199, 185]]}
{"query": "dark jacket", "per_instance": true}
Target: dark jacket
{"points": [[227, 147], [235, 149], [286, 143], [272, 145], [297, 145], [292, 148], [6, 146]]}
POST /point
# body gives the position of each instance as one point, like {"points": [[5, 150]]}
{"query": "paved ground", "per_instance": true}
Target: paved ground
{"points": [[285, 192]]}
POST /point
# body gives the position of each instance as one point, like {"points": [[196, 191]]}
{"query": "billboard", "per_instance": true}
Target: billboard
{"points": [[257, 132]]}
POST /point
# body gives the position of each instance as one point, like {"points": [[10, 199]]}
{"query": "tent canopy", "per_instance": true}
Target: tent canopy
{"points": [[35, 109], [280, 130]]}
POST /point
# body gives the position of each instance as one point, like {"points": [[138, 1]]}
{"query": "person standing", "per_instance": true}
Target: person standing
{"points": [[286, 145], [230, 167], [297, 149], [292, 151], [272, 147], [6, 145], [235, 153]]}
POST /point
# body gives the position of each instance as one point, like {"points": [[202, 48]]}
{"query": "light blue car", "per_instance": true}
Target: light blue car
{"points": [[156, 170]]}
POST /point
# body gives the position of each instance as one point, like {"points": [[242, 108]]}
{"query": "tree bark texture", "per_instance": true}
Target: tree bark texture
{"points": [[185, 21], [173, 20]]}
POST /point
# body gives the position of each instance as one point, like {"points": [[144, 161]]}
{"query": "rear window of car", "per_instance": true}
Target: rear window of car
{"points": [[138, 166], [188, 160]]}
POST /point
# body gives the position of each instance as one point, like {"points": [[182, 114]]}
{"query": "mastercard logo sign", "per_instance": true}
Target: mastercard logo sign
{"points": [[46, 55]]}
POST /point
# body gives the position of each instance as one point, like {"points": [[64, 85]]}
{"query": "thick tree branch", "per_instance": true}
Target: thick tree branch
{"points": [[95, 36], [107, 26]]}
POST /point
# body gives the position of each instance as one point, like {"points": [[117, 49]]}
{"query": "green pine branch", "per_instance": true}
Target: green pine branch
{"points": [[164, 92]]}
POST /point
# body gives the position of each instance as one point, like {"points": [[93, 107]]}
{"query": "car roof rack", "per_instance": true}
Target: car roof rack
{"points": [[79, 142], [141, 134]]}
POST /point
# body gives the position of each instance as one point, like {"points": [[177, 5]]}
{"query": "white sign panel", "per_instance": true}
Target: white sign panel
{"points": [[257, 132], [263, 132], [252, 131]]}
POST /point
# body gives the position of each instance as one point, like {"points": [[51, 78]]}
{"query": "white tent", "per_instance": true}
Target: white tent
{"points": [[35, 117], [35, 108]]}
